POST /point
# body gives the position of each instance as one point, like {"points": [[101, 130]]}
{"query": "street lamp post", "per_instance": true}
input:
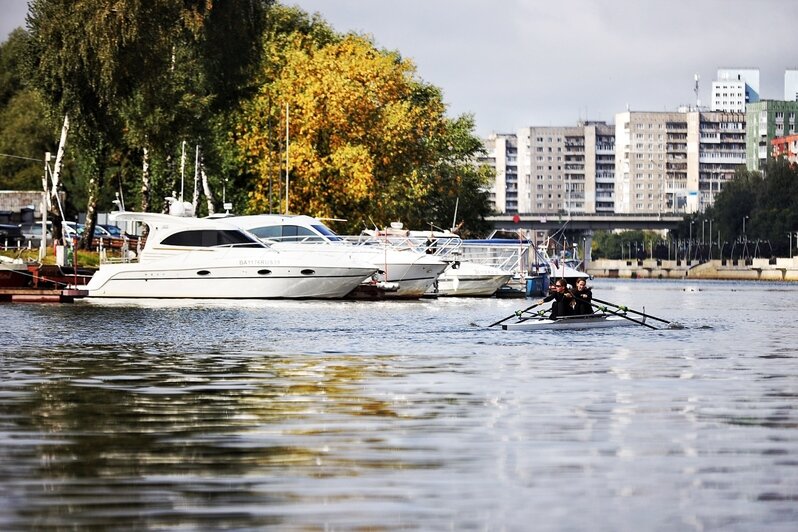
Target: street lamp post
{"points": [[710, 239], [744, 218], [690, 242]]}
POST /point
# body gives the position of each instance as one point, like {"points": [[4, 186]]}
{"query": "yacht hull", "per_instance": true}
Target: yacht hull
{"points": [[225, 283], [414, 273]]}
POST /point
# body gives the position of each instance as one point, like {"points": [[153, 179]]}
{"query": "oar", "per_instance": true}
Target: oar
{"points": [[514, 314], [626, 309], [539, 315], [605, 309]]}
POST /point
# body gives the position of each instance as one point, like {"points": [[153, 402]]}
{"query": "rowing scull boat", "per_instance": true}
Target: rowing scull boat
{"points": [[587, 321]]}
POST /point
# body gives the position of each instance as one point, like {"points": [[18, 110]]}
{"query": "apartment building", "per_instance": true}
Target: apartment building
{"points": [[766, 120], [674, 161], [734, 89], [566, 169], [721, 151], [786, 147], [502, 154]]}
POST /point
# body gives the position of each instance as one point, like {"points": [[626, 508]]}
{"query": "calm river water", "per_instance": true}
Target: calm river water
{"points": [[402, 415]]}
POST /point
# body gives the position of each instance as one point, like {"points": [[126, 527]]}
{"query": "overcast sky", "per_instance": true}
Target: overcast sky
{"points": [[519, 63]]}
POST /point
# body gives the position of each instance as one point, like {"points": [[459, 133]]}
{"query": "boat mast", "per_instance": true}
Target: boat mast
{"points": [[454, 218], [286, 158], [182, 169]]}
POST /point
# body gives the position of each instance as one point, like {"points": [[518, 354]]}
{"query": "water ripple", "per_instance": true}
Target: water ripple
{"points": [[392, 415]]}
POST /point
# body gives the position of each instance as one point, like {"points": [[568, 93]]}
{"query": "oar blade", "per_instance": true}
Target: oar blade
{"points": [[517, 313]]}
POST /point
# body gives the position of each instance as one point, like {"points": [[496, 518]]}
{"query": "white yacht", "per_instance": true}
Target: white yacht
{"points": [[463, 277], [411, 273], [470, 279], [186, 257]]}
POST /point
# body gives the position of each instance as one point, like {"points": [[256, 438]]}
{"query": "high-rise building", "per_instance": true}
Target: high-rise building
{"points": [[791, 85], [766, 120], [502, 153], [601, 164], [734, 89], [566, 169], [721, 151], [674, 161]]}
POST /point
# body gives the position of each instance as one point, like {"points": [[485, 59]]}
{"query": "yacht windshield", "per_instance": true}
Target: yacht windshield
{"points": [[326, 231], [288, 233]]}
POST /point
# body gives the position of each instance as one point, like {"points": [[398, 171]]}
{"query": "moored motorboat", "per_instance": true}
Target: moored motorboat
{"points": [[409, 273], [14, 273], [186, 257], [586, 321], [470, 279]]}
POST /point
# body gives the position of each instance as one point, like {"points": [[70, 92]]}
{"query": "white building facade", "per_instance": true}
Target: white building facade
{"points": [[791, 85], [734, 89]]}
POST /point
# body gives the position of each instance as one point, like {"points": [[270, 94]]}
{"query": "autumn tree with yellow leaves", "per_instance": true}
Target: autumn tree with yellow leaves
{"points": [[368, 141]]}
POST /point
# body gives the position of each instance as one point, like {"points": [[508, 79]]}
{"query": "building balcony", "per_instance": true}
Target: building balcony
{"points": [[722, 158]]}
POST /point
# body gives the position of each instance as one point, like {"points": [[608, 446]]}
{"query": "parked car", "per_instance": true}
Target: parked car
{"points": [[33, 232], [11, 236], [118, 233]]}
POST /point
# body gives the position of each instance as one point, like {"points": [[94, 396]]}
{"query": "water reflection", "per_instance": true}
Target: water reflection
{"points": [[306, 416]]}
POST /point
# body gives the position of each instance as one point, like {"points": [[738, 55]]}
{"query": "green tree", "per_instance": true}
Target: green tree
{"points": [[627, 245], [735, 202], [460, 191], [776, 212], [25, 131], [130, 75], [12, 57]]}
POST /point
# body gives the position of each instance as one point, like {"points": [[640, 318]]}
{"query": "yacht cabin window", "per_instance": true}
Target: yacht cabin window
{"points": [[210, 238]]}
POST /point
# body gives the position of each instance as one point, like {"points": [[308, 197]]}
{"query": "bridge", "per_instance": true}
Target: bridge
{"points": [[586, 222]]}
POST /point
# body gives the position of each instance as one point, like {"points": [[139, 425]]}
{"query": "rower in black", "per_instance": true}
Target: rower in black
{"points": [[560, 306], [583, 296]]}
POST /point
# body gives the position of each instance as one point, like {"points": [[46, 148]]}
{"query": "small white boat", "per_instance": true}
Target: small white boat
{"points": [[588, 321], [186, 257], [470, 279]]}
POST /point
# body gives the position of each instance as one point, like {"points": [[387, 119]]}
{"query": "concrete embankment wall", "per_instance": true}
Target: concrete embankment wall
{"points": [[752, 270]]}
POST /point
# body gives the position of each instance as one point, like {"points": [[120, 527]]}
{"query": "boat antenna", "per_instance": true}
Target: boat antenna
{"points": [[120, 195], [182, 169]]}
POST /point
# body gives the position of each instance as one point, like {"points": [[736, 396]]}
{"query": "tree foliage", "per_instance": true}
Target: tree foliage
{"points": [[133, 75], [626, 245], [369, 142], [755, 207]]}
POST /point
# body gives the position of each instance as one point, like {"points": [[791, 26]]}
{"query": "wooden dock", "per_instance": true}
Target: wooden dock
{"points": [[40, 295]]}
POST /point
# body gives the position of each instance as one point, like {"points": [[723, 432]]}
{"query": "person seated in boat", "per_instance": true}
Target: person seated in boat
{"points": [[582, 297], [560, 297]]}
